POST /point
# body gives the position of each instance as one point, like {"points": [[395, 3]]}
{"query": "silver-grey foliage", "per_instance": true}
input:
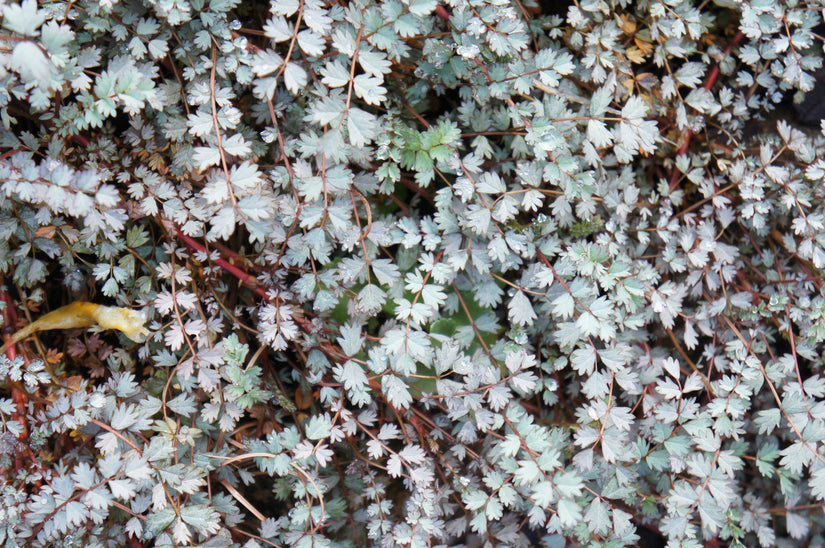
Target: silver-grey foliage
{"points": [[418, 273]]}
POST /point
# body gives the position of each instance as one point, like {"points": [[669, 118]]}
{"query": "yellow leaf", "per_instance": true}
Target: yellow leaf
{"points": [[627, 24], [643, 45], [635, 55]]}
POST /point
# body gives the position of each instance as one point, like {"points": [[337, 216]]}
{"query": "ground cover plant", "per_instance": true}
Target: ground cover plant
{"points": [[412, 272]]}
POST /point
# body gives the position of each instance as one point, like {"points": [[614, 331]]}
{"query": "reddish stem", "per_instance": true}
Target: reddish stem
{"points": [[81, 140], [711, 79], [250, 281], [132, 542], [442, 12], [245, 277], [18, 396]]}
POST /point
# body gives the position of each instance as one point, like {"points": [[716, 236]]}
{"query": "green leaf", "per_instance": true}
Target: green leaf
{"points": [[369, 89], [351, 340], [569, 512], [318, 427], [23, 18], [295, 77], [204, 519], [422, 8], [335, 74], [328, 110], [598, 517], [156, 522]]}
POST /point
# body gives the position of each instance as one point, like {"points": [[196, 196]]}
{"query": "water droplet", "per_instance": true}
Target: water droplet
{"points": [[468, 52]]}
